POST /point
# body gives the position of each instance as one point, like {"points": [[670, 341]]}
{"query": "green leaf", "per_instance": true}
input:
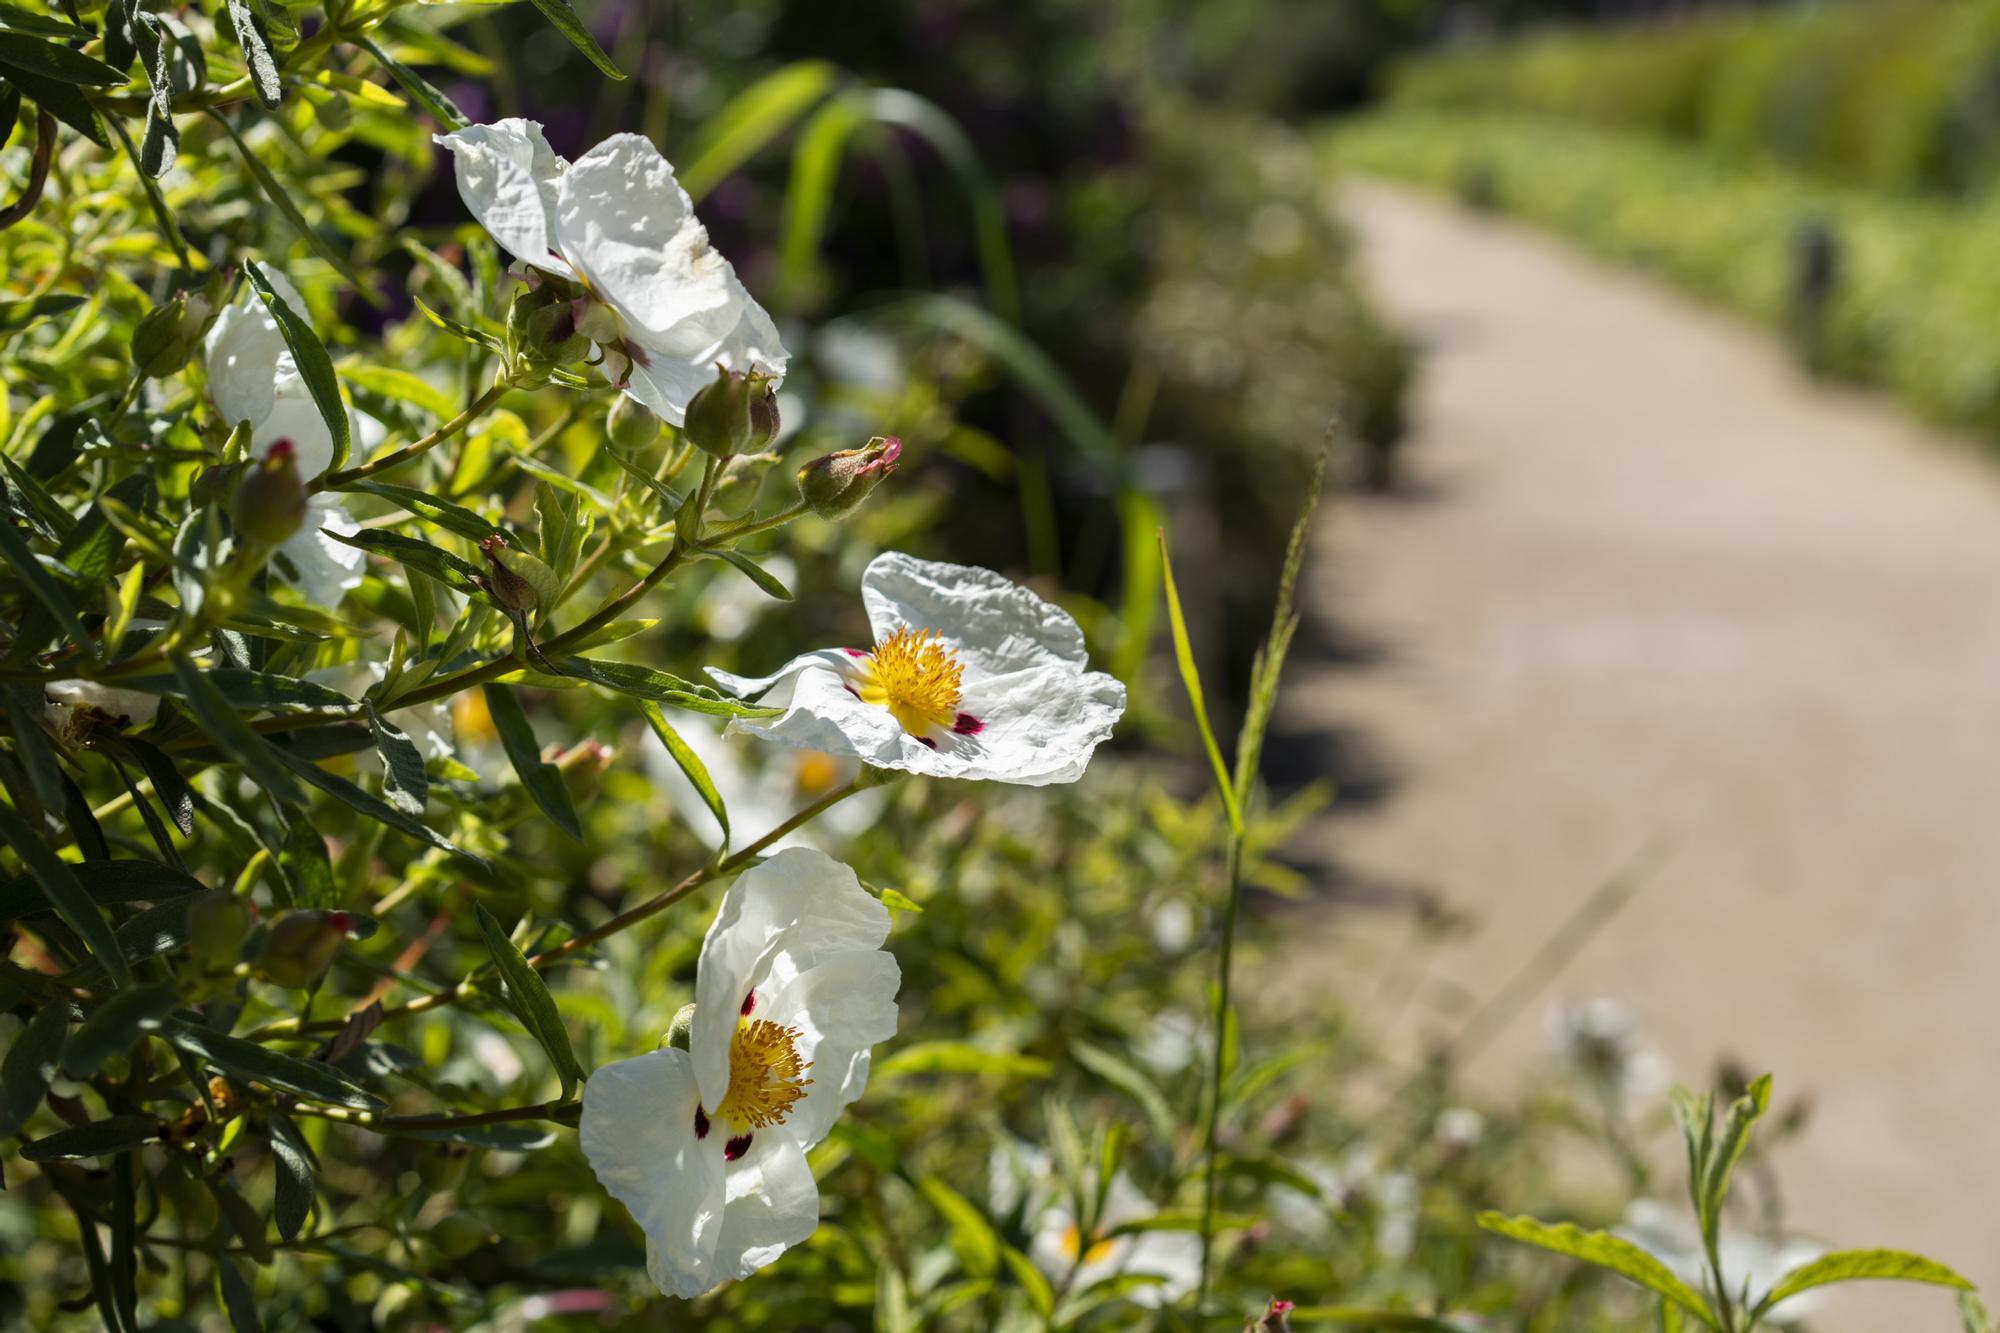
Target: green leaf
{"points": [[40, 584], [282, 201], [65, 101], [310, 1079], [237, 1297], [1191, 683], [24, 707], [1729, 1145], [252, 689], [18, 315], [543, 781], [48, 60], [98, 1138], [1604, 1250], [448, 569], [453, 518], [757, 574], [1131, 1081], [306, 863], [972, 1236], [404, 781], [1270, 660], [1859, 1266], [30, 1066], [103, 882], [420, 90], [1040, 1294], [65, 892], [292, 1159], [315, 366], [645, 683], [959, 1057], [689, 764], [528, 996], [218, 717], [565, 21], [750, 120], [256, 54], [380, 811], [1354, 1316], [115, 1026]]}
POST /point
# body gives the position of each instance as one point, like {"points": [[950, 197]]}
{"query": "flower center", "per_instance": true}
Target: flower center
{"points": [[1072, 1242], [766, 1075], [913, 675]]}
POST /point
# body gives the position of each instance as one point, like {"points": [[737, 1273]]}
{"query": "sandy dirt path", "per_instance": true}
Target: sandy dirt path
{"points": [[1649, 584]]}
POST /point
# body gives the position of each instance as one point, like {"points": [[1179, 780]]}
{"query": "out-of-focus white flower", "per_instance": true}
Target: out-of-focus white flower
{"points": [[666, 307], [1601, 1040], [1747, 1260], [1459, 1128], [75, 706], [732, 605], [253, 377], [428, 725], [707, 1146], [761, 788], [1023, 1176], [1172, 923], [1359, 1187], [970, 677], [1171, 1042]]}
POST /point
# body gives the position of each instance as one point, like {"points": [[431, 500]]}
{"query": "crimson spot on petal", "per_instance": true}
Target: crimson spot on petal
{"points": [[968, 725], [700, 1122], [736, 1147], [928, 741], [749, 1003]]}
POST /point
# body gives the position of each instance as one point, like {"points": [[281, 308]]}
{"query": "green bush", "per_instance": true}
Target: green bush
{"points": [[1902, 95]]}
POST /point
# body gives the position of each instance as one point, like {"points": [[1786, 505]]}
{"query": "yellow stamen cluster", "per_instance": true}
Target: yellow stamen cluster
{"points": [[766, 1075], [1072, 1241], [915, 677]]}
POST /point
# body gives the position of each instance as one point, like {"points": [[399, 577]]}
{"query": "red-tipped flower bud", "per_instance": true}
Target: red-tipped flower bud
{"points": [[834, 486], [299, 945], [734, 413], [271, 499]]}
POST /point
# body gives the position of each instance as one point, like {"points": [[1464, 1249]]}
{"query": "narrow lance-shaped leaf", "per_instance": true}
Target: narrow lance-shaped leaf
{"points": [[311, 1079], [66, 894], [256, 53], [30, 1066], [1729, 1145], [1606, 1251], [404, 781], [1858, 1266], [532, 1004], [315, 366], [564, 19], [420, 90], [381, 811], [1191, 682], [225, 726], [282, 200], [97, 1138], [292, 1159], [115, 1026], [689, 764], [543, 781]]}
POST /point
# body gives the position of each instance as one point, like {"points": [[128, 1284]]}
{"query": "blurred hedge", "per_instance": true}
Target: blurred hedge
{"points": [[1917, 285], [1902, 95]]}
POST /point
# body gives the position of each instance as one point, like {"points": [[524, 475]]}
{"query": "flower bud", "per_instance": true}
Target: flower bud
{"points": [[681, 1030], [218, 923], [834, 486], [168, 335], [299, 945], [734, 414], [541, 330], [518, 581], [631, 424], [271, 499], [581, 765]]}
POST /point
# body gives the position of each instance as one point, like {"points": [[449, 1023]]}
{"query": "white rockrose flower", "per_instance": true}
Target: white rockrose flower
{"points": [[761, 788], [970, 677], [707, 1146], [1750, 1263], [1602, 1041], [1024, 1176], [666, 308], [75, 706], [253, 377]]}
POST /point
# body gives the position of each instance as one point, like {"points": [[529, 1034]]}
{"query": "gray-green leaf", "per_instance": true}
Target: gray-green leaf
{"points": [[529, 997], [1606, 1251]]}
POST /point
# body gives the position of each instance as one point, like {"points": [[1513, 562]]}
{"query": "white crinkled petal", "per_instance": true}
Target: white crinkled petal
{"points": [[245, 355], [773, 1204], [507, 175], [779, 919], [841, 1008], [763, 688], [1039, 726], [325, 568], [630, 231], [994, 625], [637, 1132], [823, 714]]}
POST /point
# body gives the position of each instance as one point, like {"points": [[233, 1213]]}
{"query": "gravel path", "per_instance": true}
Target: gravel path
{"points": [[1649, 586]]}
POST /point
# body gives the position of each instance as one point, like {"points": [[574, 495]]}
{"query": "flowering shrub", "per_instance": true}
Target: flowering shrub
{"points": [[420, 920]]}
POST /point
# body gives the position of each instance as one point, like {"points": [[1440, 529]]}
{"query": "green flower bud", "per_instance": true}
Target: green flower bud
{"points": [[168, 335], [541, 330], [834, 486], [631, 424], [734, 414], [271, 498], [681, 1030], [299, 945], [581, 765], [509, 589]]}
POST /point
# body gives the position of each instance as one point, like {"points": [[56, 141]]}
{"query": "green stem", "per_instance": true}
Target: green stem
{"points": [[1208, 1137], [368, 1119], [416, 449], [287, 1027]]}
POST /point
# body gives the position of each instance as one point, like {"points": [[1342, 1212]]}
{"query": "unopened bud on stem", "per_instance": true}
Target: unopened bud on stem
{"points": [[834, 486], [271, 499], [734, 413], [299, 945], [631, 424]]}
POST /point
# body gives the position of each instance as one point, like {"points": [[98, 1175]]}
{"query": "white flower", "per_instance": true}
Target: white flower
{"points": [[1024, 1176], [1459, 1128], [663, 304], [707, 1146], [1358, 1187], [74, 706], [253, 377], [970, 677], [761, 795], [1748, 1262], [1602, 1041]]}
